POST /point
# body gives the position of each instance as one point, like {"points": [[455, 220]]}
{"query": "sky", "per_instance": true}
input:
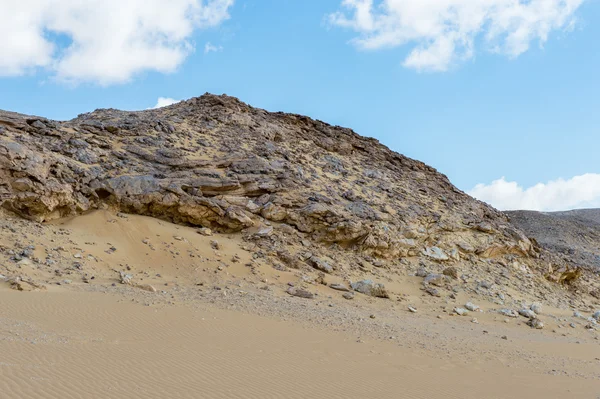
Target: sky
{"points": [[499, 95]]}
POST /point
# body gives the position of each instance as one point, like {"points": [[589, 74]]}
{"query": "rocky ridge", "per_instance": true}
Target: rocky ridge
{"points": [[573, 235], [305, 194]]}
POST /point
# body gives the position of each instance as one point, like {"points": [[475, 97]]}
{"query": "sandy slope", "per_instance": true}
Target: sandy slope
{"points": [[223, 329], [72, 345]]}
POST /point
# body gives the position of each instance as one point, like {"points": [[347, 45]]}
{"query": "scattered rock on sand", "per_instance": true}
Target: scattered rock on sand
{"points": [[370, 288], [205, 231], [348, 295], [299, 292], [451, 272], [19, 284], [471, 306], [125, 278], [596, 315], [339, 287], [146, 287], [536, 323], [412, 309], [436, 279], [530, 314], [432, 291], [536, 307], [508, 312], [435, 253], [461, 311], [320, 264]]}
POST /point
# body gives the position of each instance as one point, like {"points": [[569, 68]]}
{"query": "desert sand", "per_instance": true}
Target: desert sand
{"points": [[201, 319]]}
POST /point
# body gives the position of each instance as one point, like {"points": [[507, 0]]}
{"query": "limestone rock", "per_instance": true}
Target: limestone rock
{"points": [[370, 288]]}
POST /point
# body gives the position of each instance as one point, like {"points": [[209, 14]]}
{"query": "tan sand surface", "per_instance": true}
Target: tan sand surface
{"points": [[220, 329]]}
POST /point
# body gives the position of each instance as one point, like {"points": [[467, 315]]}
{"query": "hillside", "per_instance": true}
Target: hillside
{"points": [[302, 194]]}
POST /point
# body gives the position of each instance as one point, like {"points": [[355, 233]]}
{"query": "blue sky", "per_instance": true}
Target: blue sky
{"points": [[485, 110]]}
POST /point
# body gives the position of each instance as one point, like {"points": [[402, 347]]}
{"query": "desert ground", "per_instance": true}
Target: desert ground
{"points": [[109, 305]]}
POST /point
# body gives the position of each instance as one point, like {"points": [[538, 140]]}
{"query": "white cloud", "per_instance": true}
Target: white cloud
{"points": [[209, 47], [557, 195], [165, 102], [101, 41], [445, 31]]}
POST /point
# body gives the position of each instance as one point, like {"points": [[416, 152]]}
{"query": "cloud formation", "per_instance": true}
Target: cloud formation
{"points": [[165, 102], [558, 195], [102, 41], [444, 32]]}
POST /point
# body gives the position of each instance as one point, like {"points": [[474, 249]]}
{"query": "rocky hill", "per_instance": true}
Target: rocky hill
{"points": [[573, 234], [305, 194]]}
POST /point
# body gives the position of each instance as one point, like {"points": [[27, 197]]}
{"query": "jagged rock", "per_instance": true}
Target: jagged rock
{"points": [[530, 314], [339, 287], [439, 280], [508, 313], [299, 292], [536, 323], [451, 272], [348, 295], [370, 288], [435, 253], [125, 278], [461, 311], [320, 264]]}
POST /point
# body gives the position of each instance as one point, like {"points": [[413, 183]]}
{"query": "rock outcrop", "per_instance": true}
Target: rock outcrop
{"points": [[282, 180]]}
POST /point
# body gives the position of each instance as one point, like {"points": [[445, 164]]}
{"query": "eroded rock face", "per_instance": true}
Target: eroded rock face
{"points": [[218, 163]]}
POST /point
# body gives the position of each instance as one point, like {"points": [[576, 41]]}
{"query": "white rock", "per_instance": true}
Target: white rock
{"points": [[472, 307], [461, 311]]}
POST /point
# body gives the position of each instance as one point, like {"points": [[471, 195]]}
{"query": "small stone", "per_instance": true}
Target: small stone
{"points": [[472, 307], [205, 231], [504, 337], [508, 312], [474, 320], [461, 311], [578, 315], [299, 292], [370, 288], [372, 316], [178, 238], [451, 272], [572, 325], [421, 272], [536, 323], [530, 314], [432, 291], [435, 253], [214, 244], [146, 287], [412, 309], [339, 287], [77, 256], [348, 295], [596, 315], [536, 307], [438, 280]]}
